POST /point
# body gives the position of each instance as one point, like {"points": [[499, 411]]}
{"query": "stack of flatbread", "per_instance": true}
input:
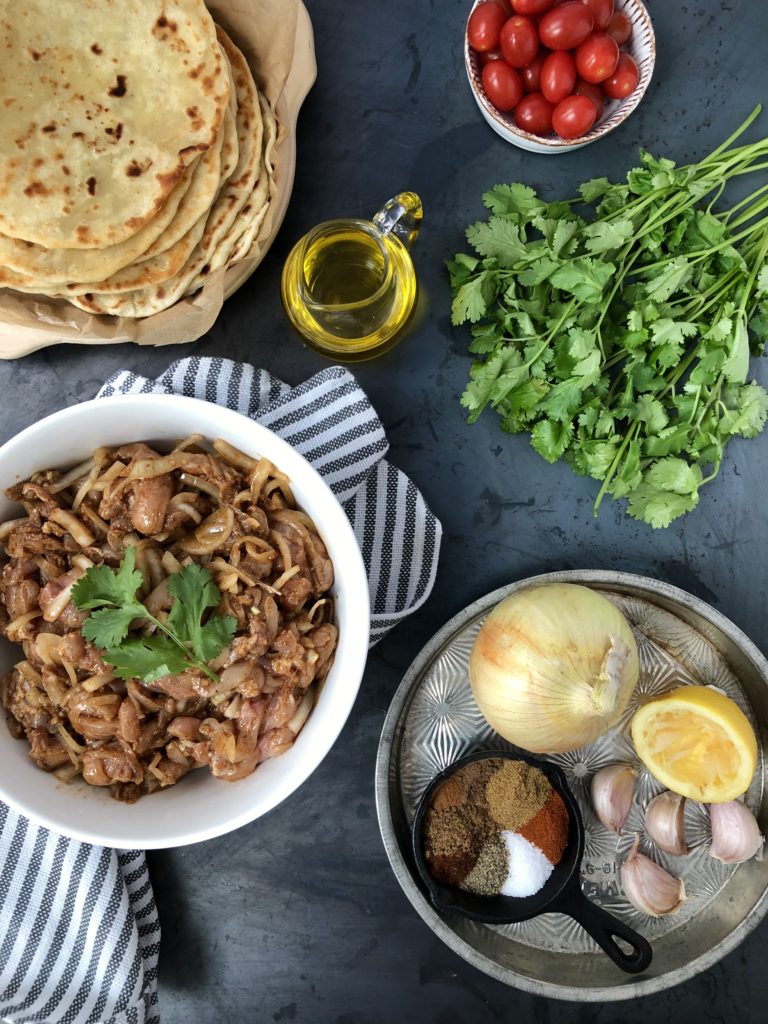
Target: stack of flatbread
{"points": [[135, 152]]}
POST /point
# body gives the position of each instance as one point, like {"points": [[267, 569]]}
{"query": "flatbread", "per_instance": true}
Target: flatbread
{"points": [[249, 185], [58, 266], [105, 103], [173, 244], [246, 227], [194, 205]]}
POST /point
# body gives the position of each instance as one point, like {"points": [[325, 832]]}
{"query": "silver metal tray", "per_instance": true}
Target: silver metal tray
{"points": [[433, 720]]}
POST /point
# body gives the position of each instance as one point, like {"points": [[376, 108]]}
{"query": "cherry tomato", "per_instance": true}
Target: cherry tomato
{"points": [[502, 85], [597, 57], [519, 41], [532, 7], [620, 28], [624, 79], [563, 28], [602, 11], [558, 76], [530, 75], [484, 26], [592, 92], [534, 114], [573, 116], [489, 55]]}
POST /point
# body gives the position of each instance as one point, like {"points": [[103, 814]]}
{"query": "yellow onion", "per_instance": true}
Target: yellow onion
{"points": [[553, 667]]}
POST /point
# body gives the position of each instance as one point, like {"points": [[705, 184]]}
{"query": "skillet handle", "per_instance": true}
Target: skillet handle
{"points": [[603, 926]]}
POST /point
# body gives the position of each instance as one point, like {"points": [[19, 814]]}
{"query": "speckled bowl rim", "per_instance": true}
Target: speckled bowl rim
{"points": [[642, 586], [551, 143]]}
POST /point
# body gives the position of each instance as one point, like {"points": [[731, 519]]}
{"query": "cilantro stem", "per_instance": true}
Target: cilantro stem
{"points": [[713, 397], [733, 136], [630, 436], [758, 263], [191, 657]]}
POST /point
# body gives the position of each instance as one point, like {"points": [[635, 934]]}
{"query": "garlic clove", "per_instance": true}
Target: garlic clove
{"points": [[664, 823], [648, 887], [611, 792], [735, 833]]}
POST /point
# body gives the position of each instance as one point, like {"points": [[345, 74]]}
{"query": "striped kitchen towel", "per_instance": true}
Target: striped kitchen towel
{"points": [[79, 931]]}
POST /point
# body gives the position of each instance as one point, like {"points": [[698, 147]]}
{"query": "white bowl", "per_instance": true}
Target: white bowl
{"points": [[199, 806], [641, 46]]}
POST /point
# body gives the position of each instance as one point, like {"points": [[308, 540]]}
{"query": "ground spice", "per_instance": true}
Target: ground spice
{"points": [[549, 828], [477, 776], [495, 826], [516, 793], [450, 793], [489, 874], [454, 837]]}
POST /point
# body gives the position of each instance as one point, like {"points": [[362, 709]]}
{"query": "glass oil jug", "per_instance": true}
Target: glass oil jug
{"points": [[349, 286]]}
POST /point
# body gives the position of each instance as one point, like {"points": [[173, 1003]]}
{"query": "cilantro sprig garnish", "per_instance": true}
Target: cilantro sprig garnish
{"points": [[185, 641], [616, 327]]}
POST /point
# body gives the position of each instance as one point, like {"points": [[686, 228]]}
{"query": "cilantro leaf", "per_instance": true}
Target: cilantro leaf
{"points": [[665, 329], [551, 439], [670, 279], [499, 239], [669, 441], [101, 585], [522, 399], [748, 413], [108, 627], [114, 594], [604, 235], [592, 458], [658, 508], [673, 474], [736, 366], [651, 412], [584, 278], [147, 658], [594, 189], [564, 232], [472, 299], [482, 386], [538, 271], [460, 269], [563, 399], [513, 199], [195, 592]]}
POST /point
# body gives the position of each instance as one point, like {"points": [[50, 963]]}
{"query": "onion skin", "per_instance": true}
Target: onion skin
{"points": [[553, 667]]}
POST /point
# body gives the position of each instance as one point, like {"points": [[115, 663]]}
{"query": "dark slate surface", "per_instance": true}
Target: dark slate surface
{"points": [[297, 917]]}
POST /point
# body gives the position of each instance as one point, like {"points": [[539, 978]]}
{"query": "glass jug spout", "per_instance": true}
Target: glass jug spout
{"points": [[401, 217]]}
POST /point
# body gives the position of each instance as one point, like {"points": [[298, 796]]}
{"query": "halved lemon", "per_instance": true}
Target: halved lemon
{"points": [[696, 742]]}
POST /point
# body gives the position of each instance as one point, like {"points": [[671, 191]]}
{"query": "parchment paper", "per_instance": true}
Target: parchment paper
{"points": [[283, 67]]}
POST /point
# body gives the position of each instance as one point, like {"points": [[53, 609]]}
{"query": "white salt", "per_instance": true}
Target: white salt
{"points": [[528, 867]]}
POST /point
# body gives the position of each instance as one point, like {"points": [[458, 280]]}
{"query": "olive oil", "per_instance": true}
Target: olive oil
{"points": [[346, 268], [349, 286]]}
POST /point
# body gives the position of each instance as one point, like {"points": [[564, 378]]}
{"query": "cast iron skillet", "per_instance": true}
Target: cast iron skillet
{"points": [[560, 894]]}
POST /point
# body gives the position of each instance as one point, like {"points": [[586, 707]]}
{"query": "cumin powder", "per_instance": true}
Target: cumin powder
{"points": [[516, 792]]}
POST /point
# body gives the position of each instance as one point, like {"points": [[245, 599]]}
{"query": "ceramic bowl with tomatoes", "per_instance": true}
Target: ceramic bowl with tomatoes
{"points": [[554, 75]]}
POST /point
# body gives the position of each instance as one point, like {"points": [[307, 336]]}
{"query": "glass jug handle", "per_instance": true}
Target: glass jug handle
{"points": [[402, 217]]}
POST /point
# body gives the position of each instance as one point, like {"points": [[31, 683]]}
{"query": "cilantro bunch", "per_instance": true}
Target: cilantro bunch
{"points": [[616, 328], [183, 641]]}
